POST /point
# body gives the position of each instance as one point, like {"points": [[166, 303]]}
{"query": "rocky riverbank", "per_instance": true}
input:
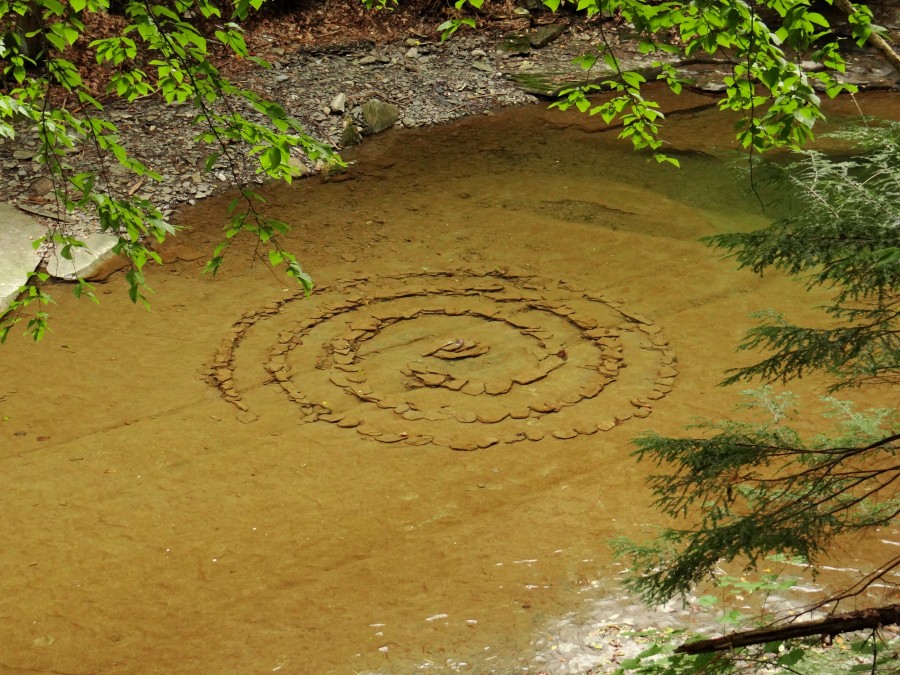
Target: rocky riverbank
{"points": [[329, 88]]}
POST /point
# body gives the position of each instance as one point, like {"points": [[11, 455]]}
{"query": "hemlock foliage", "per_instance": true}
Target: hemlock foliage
{"points": [[840, 230], [166, 47], [753, 487]]}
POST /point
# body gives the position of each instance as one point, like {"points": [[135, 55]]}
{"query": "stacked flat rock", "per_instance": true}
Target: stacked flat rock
{"points": [[464, 359]]}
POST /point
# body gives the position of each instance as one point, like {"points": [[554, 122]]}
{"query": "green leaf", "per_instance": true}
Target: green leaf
{"points": [[792, 657]]}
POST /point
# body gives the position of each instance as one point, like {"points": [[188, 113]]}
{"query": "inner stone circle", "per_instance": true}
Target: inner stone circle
{"points": [[464, 359]]}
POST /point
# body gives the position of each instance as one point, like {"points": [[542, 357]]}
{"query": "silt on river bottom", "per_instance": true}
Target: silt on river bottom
{"points": [[242, 480]]}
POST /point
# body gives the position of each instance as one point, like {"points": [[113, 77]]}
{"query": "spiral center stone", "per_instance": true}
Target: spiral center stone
{"points": [[453, 350]]}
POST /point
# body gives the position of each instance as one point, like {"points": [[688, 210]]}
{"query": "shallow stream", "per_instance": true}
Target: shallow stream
{"points": [[242, 480]]}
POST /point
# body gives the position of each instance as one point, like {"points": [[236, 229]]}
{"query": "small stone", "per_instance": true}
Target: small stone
{"points": [[368, 324], [350, 134], [542, 36], [454, 384], [583, 322], [379, 116], [473, 388], [564, 434], [390, 438], [41, 186], [432, 379], [337, 379], [571, 398], [585, 428], [463, 446], [497, 387], [338, 103], [488, 417], [466, 417], [528, 376], [534, 434], [650, 329]]}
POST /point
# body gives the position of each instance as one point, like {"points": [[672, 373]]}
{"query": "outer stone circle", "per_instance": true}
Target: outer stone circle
{"points": [[466, 359]]}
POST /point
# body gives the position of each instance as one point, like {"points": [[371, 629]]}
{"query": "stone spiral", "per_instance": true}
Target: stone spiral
{"points": [[465, 359]]}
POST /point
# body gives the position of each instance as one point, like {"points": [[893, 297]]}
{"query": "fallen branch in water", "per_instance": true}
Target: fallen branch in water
{"points": [[864, 619]]}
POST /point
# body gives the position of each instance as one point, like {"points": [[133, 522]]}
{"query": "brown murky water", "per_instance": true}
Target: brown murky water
{"points": [[482, 285]]}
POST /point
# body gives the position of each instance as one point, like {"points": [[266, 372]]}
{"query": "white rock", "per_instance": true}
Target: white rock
{"points": [[85, 260], [338, 103], [17, 256]]}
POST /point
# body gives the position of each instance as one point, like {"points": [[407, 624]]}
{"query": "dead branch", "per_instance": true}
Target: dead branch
{"points": [[864, 619]]}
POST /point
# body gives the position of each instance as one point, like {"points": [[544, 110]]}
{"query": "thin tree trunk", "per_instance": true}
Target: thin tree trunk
{"points": [[875, 39], [864, 619], [30, 22]]}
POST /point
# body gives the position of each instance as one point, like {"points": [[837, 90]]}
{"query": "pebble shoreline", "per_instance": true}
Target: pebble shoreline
{"points": [[430, 84]]}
